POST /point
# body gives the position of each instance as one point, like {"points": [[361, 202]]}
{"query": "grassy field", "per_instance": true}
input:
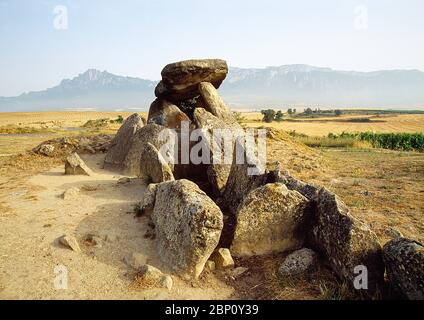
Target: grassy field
{"points": [[410, 123]]}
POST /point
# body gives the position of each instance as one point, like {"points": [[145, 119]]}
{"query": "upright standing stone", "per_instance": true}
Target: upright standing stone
{"points": [[348, 243], [188, 226], [404, 261], [121, 143]]}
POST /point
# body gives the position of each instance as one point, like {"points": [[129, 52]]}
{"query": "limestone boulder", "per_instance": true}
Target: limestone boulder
{"points": [[211, 101], [188, 226], [180, 80], [345, 241], [164, 113], [307, 190], [218, 170], [404, 260], [150, 133], [74, 165], [270, 219], [153, 167], [121, 143], [244, 177]]}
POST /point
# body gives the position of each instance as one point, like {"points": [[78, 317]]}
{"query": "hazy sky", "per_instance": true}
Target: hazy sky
{"points": [[137, 38]]}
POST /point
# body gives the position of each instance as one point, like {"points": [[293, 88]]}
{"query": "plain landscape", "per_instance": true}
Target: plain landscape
{"points": [[382, 187]]}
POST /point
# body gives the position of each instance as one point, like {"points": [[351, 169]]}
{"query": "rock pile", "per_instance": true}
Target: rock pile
{"points": [[205, 213]]}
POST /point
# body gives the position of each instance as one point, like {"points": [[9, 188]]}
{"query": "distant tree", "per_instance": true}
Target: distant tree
{"points": [[294, 111], [338, 112], [290, 111], [269, 115], [308, 111], [120, 119], [278, 116]]}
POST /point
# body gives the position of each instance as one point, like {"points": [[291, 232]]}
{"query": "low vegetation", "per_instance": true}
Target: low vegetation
{"points": [[393, 141]]}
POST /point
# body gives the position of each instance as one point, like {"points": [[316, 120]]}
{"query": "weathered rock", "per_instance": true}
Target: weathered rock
{"points": [[136, 260], [153, 167], [404, 261], [345, 241], [46, 150], [188, 226], [164, 113], [270, 219], [148, 134], [305, 189], [71, 193], [180, 80], [74, 165], [243, 178], [212, 102], [70, 242], [223, 259], [121, 144], [218, 170], [299, 263]]}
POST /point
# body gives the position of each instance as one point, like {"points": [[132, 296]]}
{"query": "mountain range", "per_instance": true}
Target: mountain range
{"points": [[248, 88]]}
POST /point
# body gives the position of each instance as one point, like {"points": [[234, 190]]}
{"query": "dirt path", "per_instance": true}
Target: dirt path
{"points": [[34, 216]]}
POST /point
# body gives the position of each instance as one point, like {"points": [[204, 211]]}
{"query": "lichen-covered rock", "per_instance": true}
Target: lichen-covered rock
{"points": [[46, 150], [217, 171], [212, 102], [305, 189], [164, 113], [243, 178], [148, 134], [188, 226], [298, 263], [121, 143], [74, 165], [270, 219], [180, 80], [153, 167], [345, 241], [404, 261]]}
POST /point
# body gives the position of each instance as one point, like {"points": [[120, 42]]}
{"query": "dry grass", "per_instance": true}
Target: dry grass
{"points": [[323, 126]]}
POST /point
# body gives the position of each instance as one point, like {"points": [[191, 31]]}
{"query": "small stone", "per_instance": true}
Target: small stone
{"points": [[136, 260], [74, 165], [150, 274], [46, 150], [237, 272], [124, 180], [70, 193], [298, 263], [70, 242], [167, 282], [222, 258], [210, 265]]}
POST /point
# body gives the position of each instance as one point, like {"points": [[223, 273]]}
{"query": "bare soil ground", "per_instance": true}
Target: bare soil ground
{"points": [[383, 187]]}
